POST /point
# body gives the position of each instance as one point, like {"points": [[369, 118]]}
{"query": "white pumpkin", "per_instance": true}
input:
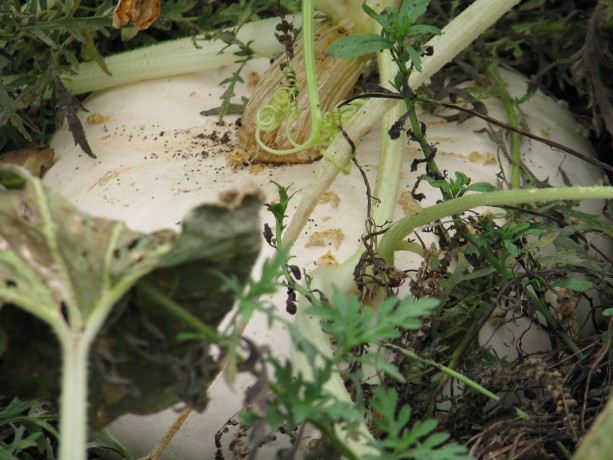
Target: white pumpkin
{"points": [[157, 157]]}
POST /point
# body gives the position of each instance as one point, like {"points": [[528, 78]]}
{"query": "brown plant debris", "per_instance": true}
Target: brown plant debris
{"points": [[142, 13]]}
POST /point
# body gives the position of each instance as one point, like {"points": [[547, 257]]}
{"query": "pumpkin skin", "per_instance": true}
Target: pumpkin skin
{"points": [[158, 158]]}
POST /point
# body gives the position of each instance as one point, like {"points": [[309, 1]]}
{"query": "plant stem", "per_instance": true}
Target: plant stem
{"points": [[308, 26], [73, 399], [389, 169], [174, 57], [510, 109], [456, 375], [405, 227], [458, 351], [456, 36]]}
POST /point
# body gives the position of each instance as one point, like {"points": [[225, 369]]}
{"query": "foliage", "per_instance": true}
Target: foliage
{"points": [[480, 258], [419, 442], [28, 431], [38, 46], [43, 42]]}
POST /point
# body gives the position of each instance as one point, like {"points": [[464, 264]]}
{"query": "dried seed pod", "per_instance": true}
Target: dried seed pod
{"points": [[335, 78]]}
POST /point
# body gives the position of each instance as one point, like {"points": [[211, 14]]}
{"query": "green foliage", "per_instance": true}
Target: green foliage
{"points": [[39, 45], [352, 324], [457, 187], [42, 42], [396, 27], [418, 442], [28, 431]]}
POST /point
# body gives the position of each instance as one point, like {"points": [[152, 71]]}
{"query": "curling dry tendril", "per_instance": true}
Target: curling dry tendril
{"points": [[285, 105]]}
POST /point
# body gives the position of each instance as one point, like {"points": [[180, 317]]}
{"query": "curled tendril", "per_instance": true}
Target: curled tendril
{"points": [[290, 76], [323, 126], [332, 121], [284, 101], [284, 104], [269, 117]]}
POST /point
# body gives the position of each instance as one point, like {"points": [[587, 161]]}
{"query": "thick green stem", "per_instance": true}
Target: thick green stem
{"points": [[73, 400], [308, 27], [405, 227]]}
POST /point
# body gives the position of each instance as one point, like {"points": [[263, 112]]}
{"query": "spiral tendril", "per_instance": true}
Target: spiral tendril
{"points": [[284, 104]]}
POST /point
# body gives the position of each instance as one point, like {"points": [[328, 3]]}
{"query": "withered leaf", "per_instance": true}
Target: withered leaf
{"points": [[62, 271], [36, 159], [67, 106], [142, 13]]}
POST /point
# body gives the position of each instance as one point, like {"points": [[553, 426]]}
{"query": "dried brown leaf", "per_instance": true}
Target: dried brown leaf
{"points": [[142, 13], [67, 106], [36, 159]]}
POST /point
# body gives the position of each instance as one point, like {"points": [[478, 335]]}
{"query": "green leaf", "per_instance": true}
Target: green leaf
{"points": [[410, 10], [385, 20], [574, 284], [423, 29], [15, 407], [358, 45], [481, 187], [511, 248], [415, 57], [9, 112]]}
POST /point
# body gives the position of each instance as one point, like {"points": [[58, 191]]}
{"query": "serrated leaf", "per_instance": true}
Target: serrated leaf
{"points": [[8, 112], [43, 37], [356, 45], [67, 107]]}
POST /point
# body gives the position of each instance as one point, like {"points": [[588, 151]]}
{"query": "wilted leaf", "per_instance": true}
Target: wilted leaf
{"points": [[70, 271], [68, 106], [36, 159], [142, 13]]}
